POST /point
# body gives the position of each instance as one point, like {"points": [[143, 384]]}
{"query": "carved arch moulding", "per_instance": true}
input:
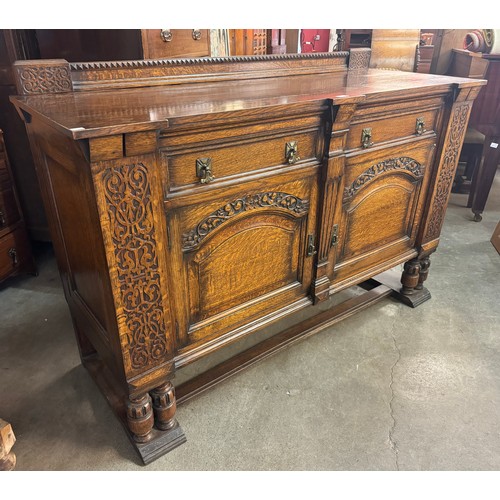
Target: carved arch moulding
{"points": [[283, 201], [403, 164]]}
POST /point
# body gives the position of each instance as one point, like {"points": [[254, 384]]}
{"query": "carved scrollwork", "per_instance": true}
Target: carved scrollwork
{"points": [[447, 171], [130, 212], [44, 79], [260, 200], [403, 163]]}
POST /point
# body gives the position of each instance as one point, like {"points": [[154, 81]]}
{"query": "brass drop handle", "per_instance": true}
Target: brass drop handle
{"points": [[13, 255], [291, 152], [335, 235], [204, 170], [420, 126], [2, 218], [311, 247], [366, 138], [166, 35], [196, 34]]}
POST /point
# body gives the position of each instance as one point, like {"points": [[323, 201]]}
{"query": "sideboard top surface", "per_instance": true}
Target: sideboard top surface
{"points": [[86, 114]]}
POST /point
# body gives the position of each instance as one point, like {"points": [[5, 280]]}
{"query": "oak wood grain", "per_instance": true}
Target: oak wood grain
{"points": [[193, 203]]}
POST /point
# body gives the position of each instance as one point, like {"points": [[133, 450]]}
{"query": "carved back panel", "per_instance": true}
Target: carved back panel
{"points": [[52, 75]]}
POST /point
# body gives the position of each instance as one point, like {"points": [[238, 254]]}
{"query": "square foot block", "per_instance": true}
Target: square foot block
{"points": [[415, 299], [160, 443]]}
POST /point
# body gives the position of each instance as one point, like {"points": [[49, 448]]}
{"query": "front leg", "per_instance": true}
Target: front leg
{"points": [[140, 418], [151, 422], [413, 293], [425, 263], [164, 406], [410, 277]]}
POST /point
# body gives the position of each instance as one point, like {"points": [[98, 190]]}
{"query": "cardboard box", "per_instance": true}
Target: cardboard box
{"points": [[495, 239]]}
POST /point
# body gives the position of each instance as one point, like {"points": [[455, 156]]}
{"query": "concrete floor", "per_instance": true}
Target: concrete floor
{"points": [[390, 388]]}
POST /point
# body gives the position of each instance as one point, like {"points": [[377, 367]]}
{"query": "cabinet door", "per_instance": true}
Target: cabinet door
{"points": [[381, 207], [243, 256]]}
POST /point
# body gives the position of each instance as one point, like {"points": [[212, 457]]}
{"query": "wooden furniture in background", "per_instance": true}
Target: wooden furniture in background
{"points": [[13, 45], [394, 49], [167, 43], [188, 216], [81, 45], [87, 44], [423, 58], [7, 440], [470, 158], [484, 119], [248, 42], [292, 41], [445, 40], [15, 248], [425, 52], [276, 41], [495, 238], [349, 39]]}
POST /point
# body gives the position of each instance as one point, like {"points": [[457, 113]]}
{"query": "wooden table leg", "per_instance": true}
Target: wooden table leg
{"points": [[7, 440], [485, 175]]}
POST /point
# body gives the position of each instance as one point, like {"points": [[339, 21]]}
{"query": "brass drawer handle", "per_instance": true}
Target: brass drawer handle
{"points": [[420, 126], [166, 35], [204, 170], [291, 152], [196, 34], [2, 218], [366, 138], [13, 255]]}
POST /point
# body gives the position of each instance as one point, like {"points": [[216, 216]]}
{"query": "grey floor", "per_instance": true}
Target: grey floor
{"points": [[390, 388]]}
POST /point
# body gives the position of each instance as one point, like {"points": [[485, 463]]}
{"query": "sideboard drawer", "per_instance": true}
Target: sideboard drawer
{"points": [[199, 159], [166, 43], [374, 129], [8, 208], [14, 251], [4, 174]]}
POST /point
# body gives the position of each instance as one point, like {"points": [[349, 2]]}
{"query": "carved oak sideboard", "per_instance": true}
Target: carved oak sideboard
{"points": [[194, 202]]}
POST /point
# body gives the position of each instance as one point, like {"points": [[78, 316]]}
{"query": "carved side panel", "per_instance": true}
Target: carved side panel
{"points": [[42, 77], [447, 168], [128, 221]]}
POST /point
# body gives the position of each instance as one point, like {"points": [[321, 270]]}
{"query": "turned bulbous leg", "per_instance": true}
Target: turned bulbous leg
{"points": [[413, 293], [143, 412], [410, 277], [140, 418], [425, 263], [164, 406]]}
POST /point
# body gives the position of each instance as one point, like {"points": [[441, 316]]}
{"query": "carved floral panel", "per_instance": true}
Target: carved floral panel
{"points": [[130, 211]]}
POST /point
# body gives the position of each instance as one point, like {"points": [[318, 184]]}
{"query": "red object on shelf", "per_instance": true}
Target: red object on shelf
{"points": [[314, 40]]}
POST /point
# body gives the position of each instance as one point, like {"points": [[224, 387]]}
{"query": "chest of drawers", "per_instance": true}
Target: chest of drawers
{"points": [[15, 248], [195, 202]]}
